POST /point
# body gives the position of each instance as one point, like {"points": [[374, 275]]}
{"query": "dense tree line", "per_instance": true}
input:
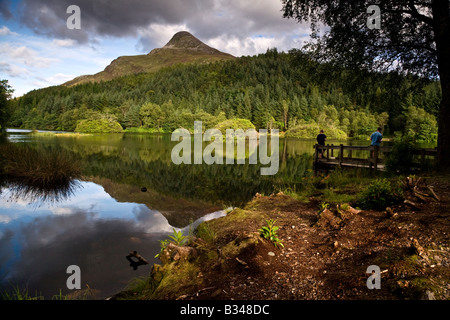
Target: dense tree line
{"points": [[5, 95], [288, 91]]}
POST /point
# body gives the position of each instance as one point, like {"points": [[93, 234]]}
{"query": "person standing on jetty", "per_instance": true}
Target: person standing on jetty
{"points": [[321, 138], [376, 138]]}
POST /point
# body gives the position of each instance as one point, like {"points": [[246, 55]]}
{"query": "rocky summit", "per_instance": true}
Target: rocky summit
{"points": [[185, 40]]}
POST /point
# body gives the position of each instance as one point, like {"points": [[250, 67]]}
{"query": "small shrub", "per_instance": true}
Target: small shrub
{"points": [[323, 206], [235, 124], [269, 232], [178, 238], [381, 194], [98, 126], [163, 244], [310, 131]]}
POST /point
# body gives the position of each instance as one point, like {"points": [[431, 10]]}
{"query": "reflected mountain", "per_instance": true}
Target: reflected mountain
{"points": [[178, 211]]}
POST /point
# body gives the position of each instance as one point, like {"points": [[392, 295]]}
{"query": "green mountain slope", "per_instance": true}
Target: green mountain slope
{"points": [[182, 48], [287, 91]]}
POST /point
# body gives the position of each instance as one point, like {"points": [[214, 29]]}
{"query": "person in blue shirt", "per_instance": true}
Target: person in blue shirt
{"points": [[376, 139]]}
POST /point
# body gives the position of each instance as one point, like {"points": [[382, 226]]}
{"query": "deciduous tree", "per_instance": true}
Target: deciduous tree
{"points": [[413, 37], [5, 95]]}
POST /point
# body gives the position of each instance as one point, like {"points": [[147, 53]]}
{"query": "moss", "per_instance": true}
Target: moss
{"points": [[234, 248], [174, 283], [165, 282]]}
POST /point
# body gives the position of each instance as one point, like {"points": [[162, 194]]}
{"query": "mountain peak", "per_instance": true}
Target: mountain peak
{"points": [[182, 48], [185, 40]]}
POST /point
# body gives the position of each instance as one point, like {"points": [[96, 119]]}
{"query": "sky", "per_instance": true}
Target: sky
{"points": [[37, 49]]}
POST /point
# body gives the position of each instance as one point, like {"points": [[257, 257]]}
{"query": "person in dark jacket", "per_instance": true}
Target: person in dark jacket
{"points": [[321, 138]]}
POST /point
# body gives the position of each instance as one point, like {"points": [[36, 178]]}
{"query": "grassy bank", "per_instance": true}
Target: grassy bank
{"points": [[60, 134], [37, 175]]}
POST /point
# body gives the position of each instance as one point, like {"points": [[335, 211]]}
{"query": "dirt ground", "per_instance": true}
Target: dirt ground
{"points": [[326, 256]]}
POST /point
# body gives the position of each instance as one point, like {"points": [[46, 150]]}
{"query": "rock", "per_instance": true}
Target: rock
{"points": [[271, 254], [328, 219], [428, 295], [175, 253]]}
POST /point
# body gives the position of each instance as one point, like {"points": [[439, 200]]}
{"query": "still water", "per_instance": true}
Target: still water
{"points": [[107, 215]]}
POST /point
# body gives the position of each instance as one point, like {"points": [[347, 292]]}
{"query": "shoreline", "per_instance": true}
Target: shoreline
{"points": [[325, 254]]}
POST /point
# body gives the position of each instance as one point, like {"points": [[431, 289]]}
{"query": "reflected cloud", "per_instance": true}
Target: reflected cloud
{"points": [[62, 211], [5, 219], [91, 230], [38, 253], [151, 221]]}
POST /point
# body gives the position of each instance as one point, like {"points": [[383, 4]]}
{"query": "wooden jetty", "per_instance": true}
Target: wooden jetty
{"points": [[374, 158]]}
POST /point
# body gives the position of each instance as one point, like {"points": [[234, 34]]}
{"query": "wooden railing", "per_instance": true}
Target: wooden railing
{"points": [[340, 155]]}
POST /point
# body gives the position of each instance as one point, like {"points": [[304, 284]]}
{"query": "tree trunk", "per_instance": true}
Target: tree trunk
{"points": [[441, 20]]}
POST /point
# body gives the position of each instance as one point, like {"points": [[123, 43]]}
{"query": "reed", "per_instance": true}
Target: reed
{"points": [[31, 173]]}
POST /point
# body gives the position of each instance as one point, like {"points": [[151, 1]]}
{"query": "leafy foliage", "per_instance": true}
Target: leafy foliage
{"points": [[420, 126], [401, 158], [5, 95], [269, 232], [98, 126], [178, 238], [381, 194], [163, 244], [351, 42], [234, 124], [413, 39], [286, 91]]}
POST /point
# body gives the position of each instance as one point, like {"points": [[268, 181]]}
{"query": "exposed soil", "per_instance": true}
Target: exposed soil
{"points": [[325, 256]]}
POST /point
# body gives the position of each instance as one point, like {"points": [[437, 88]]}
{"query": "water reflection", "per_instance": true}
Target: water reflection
{"points": [[106, 215], [90, 229]]}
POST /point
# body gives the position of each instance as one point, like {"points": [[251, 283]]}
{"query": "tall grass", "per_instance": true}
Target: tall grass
{"points": [[336, 187], [17, 293], [31, 173]]}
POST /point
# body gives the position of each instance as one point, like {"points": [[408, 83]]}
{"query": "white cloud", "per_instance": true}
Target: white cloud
{"points": [[13, 70], [25, 56], [253, 45], [53, 80], [4, 31], [59, 78], [157, 35], [53, 52], [64, 42]]}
